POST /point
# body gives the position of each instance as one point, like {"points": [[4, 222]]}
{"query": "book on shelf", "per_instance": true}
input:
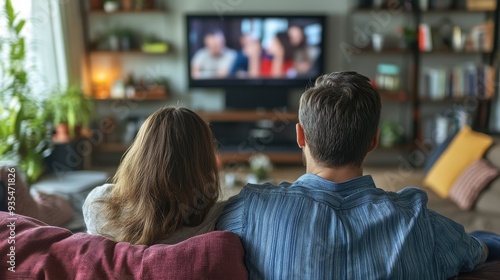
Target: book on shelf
{"points": [[469, 80], [445, 124], [479, 39], [424, 38]]}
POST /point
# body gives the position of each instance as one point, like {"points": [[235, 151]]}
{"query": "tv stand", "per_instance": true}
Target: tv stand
{"points": [[243, 133], [257, 97]]}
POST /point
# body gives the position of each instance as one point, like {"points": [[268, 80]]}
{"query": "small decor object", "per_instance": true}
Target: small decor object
{"points": [[408, 37], [111, 6], [114, 40], [118, 90], [424, 5], [377, 42], [441, 4], [481, 5], [388, 77], [127, 5], [458, 40], [139, 5], [390, 134], [471, 182], [152, 44], [260, 166]]}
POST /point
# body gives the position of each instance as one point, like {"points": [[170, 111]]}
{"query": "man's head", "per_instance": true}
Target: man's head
{"points": [[215, 42], [339, 119]]}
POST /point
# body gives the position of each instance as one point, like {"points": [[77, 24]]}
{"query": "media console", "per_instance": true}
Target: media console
{"points": [[243, 133]]}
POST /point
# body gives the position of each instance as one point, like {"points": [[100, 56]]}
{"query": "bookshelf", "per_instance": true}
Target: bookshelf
{"points": [[115, 44], [438, 80]]}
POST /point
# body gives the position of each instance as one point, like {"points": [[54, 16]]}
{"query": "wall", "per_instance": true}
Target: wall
{"points": [[170, 26]]}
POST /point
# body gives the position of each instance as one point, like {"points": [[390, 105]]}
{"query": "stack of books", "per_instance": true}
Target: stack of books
{"points": [[460, 82]]}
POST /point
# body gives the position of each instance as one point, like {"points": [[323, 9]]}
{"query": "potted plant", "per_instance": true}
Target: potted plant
{"points": [[70, 110], [408, 37], [23, 132]]}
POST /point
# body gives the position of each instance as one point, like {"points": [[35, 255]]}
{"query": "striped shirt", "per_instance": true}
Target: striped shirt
{"points": [[317, 229]]}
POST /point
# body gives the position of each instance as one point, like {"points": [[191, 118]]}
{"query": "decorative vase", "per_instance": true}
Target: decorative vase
{"points": [[62, 134], [111, 6], [114, 43], [127, 5]]}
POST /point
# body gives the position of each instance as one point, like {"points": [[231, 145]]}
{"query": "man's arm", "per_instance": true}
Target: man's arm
{"points": [[455, 249], [491, 242]]}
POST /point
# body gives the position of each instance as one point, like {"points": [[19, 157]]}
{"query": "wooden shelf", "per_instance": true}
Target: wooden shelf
{"points": [[154, 94], [274, 157], [451, 99], [451, 52], [133, 99], [370, 51], [396, 148], [248, 115], [393, 95], [130, 12], [112, 147], [120, 53], [376, 10], [454, 11], [430, 11]]}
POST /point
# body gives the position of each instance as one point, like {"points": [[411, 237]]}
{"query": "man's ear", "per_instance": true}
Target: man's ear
{"points": [[301, 139], [374, 143]]}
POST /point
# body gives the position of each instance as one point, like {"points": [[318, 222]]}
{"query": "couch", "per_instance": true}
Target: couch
{"points": [[37, 251], [485, 214], [33, 250]]}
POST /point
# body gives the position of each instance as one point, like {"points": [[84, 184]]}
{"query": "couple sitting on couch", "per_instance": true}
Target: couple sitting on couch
{"points": [[332, 221]]}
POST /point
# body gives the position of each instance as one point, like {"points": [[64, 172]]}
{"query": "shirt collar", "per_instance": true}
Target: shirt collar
{"points": [[314, 181]]}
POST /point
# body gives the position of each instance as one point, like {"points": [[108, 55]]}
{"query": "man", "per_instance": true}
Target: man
{"points": [[333, 223], [214, 60]]}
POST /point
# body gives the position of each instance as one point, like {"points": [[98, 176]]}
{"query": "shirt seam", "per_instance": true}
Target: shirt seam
{"points": [[437, 253]]}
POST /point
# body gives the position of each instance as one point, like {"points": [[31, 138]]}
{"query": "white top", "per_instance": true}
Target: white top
{"points": [[94, 217], [210, 65]]}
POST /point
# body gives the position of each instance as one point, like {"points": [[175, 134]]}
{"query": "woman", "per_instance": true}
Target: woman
{"points": [[165, 187]]}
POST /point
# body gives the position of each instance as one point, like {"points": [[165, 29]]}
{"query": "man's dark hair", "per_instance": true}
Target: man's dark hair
{"points": [[214, 31], [340, 116]]}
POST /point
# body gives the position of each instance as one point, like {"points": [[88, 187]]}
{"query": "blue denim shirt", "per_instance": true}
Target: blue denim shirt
{"points": [[317, 229]]}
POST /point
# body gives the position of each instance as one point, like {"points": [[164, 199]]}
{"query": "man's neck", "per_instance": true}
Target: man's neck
{"points": [[337, 174]]}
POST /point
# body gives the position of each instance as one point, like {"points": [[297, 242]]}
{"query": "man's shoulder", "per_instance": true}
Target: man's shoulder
{"points": [[409, 196]]}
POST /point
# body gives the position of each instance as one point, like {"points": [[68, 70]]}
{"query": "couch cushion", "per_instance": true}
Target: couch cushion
{"points": [[467, 147], [488, 270], [489, 199], [436, 153], [471, 182], [45, 252], [493, 154]]}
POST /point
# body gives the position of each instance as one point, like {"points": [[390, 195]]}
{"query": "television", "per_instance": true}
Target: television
{"points": [[249, 51]]}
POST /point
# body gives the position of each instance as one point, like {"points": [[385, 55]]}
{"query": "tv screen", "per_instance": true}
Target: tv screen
{"points": [[250, 50]]}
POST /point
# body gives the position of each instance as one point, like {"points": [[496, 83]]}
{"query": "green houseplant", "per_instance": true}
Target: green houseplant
{"points": [[70, 110], [23, 133]]}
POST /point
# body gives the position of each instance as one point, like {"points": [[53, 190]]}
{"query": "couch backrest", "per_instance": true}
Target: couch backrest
{"points": [[37, 251]]}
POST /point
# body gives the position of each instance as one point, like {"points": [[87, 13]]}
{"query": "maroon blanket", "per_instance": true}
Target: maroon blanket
{"points": [[37, 251]]}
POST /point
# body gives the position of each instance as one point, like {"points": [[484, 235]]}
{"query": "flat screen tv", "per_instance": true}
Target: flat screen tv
{"points": [[252, 50]]}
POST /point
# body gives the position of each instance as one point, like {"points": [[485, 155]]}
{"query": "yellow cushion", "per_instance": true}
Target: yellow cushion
{"points": [[467, 147]]}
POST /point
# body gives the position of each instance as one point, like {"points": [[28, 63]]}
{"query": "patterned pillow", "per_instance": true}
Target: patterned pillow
{"points": [[471, 182]]}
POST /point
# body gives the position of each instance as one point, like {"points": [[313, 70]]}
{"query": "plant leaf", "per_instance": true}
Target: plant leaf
{"points": [[20, 25]]}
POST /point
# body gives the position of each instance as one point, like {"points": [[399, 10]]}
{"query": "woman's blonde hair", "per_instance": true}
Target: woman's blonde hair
{"points": [[168, 179]]}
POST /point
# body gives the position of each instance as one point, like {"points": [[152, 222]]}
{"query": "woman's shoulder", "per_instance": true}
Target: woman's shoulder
{"points": [[96, 194], [100, 192]]}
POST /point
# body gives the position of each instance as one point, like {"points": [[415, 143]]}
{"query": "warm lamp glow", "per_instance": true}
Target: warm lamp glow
{"points": [[101, 84], [101, 77]]}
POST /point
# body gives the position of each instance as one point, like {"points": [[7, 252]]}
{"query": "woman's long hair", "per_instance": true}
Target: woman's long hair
{"points": [[168, 179]]}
